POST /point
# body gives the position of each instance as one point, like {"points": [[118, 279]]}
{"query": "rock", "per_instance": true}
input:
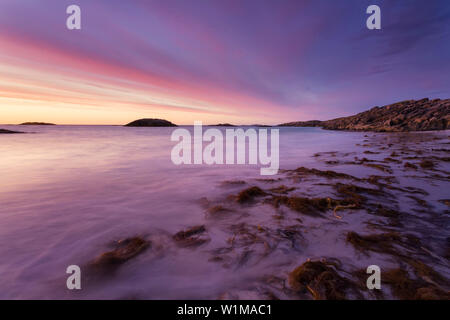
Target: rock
{"points": [[9, 131], [409, 115], [150, 123], [37, 124]]}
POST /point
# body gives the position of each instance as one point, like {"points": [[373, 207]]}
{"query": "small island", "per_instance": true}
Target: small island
{"points": [[151, 123], [37, 124], [222, 125], [9, 131]]}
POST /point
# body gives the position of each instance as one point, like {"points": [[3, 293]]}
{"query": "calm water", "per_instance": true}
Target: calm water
{"points": [[66, 192]]}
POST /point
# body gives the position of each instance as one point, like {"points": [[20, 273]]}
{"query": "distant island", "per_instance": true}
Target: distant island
{"points": [[9, 131], [409, 115], [37, 124], [222, 125], [310, 123], [150, 123]]}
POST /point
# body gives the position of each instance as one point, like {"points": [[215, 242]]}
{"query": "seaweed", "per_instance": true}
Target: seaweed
{"points": [[193, 236], [426, 164], [375, 242], [125, 250], [410, 165], [405, 288], [379, 167], [309, 206], [282, 189], [217, 210], [321, 280], [326, 174], [249, 194]]}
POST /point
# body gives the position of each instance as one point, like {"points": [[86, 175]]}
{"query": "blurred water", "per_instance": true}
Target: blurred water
{"points": [[68, 191]]}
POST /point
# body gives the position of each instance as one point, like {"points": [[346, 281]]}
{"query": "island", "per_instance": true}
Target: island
{"points": [[222, 125], [409, 115], [150, 123], [9, 131], [37, 124]]}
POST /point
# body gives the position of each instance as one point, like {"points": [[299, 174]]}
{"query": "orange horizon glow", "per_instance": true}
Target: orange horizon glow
{"points": [[40, 83]]}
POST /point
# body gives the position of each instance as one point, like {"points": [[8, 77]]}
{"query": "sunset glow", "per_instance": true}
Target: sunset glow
{"points": [[227, 62]]}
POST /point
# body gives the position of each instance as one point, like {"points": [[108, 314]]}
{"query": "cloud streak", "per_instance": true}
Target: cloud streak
{"points": [[236, 61]]}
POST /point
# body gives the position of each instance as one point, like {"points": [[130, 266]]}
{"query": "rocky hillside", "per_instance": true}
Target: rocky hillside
{"points": [[410, 115]]}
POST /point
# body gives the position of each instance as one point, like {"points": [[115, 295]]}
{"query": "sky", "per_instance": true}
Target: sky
{"points": [[236, 61]]}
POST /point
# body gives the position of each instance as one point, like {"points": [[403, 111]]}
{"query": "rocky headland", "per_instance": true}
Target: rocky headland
{"points": [[409, 115]]}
